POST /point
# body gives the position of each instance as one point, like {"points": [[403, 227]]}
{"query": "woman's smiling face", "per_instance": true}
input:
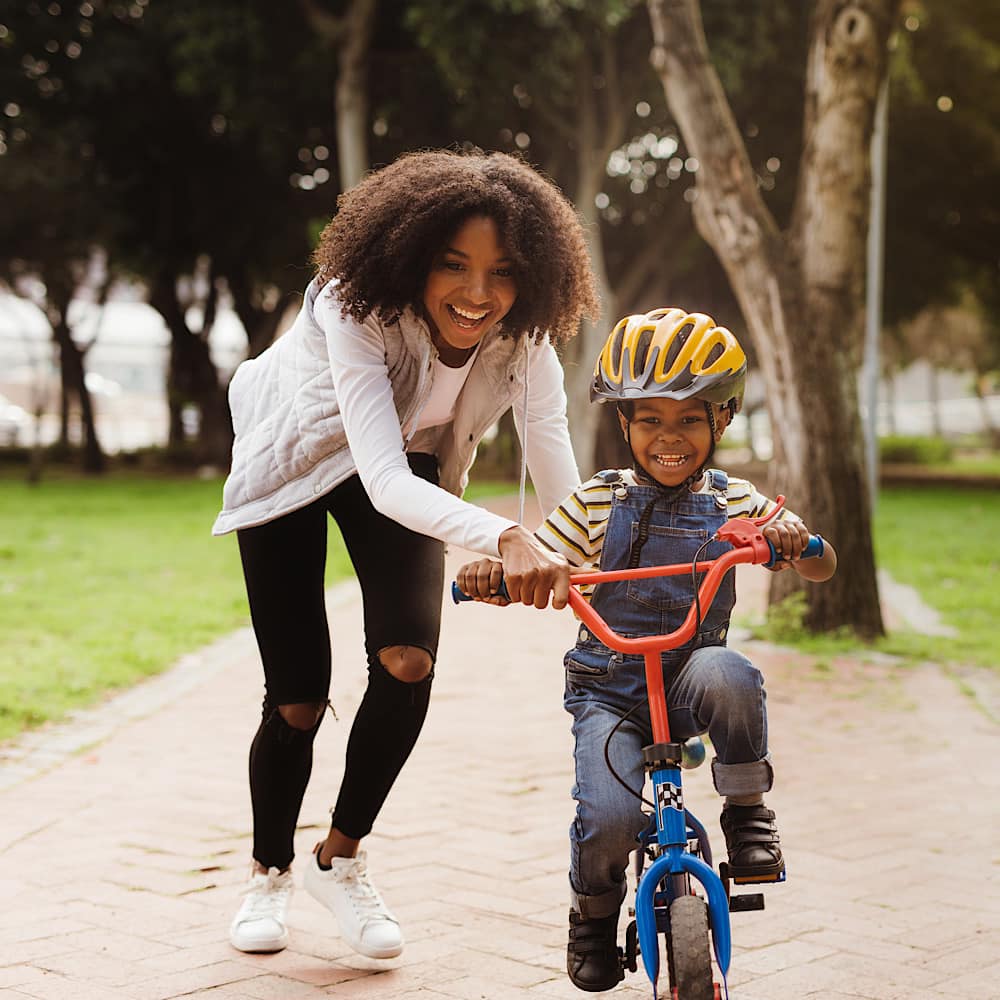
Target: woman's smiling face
{"points": [[470, 288], [671, 439]]}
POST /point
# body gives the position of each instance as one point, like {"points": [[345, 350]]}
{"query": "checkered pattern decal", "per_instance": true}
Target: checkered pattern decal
{"points": [[669, 796]]}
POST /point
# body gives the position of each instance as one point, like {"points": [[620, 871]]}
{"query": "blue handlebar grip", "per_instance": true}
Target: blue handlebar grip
{"points": [[813, 550], [458, 595]]}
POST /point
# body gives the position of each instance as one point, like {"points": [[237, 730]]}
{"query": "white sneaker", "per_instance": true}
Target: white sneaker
{"points": [[346, 890], [260, 923]]}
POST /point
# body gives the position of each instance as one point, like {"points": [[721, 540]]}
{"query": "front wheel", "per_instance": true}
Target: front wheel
{"points": [[691, 959]]}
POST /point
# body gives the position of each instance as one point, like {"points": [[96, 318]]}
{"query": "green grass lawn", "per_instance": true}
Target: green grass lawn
{"points": [[941, 542], [105, 581], [944, 543]]}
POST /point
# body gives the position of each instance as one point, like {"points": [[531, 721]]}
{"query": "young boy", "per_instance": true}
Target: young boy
{"points": [[677, 380]]}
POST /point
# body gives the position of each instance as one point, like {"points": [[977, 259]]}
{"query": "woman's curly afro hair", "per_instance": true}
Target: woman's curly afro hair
{"points": [[388, 229]]}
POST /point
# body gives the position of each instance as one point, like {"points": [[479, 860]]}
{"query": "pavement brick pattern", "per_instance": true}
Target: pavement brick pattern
{"points": [[125, 833]]}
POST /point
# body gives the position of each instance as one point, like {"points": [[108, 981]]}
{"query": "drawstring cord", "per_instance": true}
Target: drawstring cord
{"points": [[524, 435]]}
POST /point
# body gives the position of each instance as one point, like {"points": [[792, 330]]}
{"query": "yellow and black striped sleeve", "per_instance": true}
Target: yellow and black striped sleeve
{"points": [[745, 500], [576, 527]]}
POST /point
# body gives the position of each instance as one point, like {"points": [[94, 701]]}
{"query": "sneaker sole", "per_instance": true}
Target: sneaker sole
{"points": [[376, 952], [260, 947]]}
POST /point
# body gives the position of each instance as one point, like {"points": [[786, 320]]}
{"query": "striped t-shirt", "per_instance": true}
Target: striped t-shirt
{"points": [[576, 527]]}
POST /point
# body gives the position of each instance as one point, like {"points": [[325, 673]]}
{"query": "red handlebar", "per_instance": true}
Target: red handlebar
{"points": [[714, 572], [749, 546]]}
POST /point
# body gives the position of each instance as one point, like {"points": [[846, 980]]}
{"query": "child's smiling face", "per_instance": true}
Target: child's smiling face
{"points": [[671, 439]]}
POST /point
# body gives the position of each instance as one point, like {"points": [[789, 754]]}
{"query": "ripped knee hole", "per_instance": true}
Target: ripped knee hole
{"points": [[410, 664]]}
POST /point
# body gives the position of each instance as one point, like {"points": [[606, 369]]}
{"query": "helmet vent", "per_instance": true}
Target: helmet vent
{"points": [[642, 350], [714, 354], [676, 343], [616, 344]]}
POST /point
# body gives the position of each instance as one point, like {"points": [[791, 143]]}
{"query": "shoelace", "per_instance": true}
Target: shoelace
{"points": [[265, 897], [364, 896]]}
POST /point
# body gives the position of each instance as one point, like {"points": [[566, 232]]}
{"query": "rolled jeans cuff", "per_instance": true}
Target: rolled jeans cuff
{"points": [[595, 907], [743, 779]]}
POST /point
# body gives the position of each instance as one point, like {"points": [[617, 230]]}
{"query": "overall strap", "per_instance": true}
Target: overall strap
{"points": [[720, 480], [612, 478]]}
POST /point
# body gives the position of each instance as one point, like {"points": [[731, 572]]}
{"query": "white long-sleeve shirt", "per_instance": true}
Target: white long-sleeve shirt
{"points": [[335, 396]]}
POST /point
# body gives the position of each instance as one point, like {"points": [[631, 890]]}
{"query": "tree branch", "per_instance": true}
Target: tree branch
{"points": [[329, 26], [729, 211]]}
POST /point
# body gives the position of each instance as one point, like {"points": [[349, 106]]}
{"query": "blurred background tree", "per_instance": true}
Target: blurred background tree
{"points": [[195, 150]]}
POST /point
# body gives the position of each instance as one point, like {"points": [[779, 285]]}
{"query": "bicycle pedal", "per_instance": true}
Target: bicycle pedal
{"points": [[725, 873], [758, 879], [747, 901]]}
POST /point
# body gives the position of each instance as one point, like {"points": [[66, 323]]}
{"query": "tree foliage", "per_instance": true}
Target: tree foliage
{"points": [[943, 219], [186, 138]]}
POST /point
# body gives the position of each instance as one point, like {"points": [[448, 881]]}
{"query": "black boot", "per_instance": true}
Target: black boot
{"points": [[753, 844], [593, 960]]}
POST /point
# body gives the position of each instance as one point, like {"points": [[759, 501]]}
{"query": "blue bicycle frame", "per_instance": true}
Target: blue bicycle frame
{"points": [[674, 865]]}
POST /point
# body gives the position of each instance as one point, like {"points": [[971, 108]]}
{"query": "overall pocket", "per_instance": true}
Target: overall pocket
{"points": [[588, 667]]}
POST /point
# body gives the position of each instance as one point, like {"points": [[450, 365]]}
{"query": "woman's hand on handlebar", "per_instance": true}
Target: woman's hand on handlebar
{"points": [[531, 571], [481, 580]]}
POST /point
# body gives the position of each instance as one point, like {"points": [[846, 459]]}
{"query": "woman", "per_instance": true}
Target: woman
{"points": [[442, 283]]}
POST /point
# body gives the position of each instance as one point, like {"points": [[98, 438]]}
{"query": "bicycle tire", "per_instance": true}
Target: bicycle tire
{"points": [[690, 953]]}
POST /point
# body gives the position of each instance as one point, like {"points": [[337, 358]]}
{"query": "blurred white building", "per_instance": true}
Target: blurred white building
{"points": [[126, 373], [126, 366]]}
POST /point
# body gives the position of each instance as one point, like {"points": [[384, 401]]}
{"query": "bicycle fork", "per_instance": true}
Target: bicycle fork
{"points": [[676, 864]]}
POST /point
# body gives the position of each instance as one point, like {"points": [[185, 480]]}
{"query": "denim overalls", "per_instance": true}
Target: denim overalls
{"points": [[709, 687]]}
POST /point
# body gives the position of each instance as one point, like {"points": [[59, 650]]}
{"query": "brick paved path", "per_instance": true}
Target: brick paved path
{"points": [[124, 860]]}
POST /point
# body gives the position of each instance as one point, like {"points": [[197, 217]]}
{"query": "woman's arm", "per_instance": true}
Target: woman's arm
{"points": [[371, 424]]}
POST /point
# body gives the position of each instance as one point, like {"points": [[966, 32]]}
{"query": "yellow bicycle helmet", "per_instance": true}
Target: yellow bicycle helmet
{"points": [[670, 353]]}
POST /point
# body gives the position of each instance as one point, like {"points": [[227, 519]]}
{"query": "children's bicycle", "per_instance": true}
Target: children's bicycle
{"points": [[679, 894]]}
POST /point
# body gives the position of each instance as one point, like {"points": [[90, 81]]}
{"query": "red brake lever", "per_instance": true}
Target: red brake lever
{"points": [[744, 532]]}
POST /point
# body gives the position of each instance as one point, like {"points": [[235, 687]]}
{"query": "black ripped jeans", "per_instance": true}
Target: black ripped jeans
{"points": [[401, 575]]}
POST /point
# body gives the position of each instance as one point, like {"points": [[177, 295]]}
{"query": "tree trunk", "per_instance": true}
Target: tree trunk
{"points": [[596, 135], [73, 376], [352, 93], [351, 35], [261, 325], [800, 291], [192, 379], [71, 366], [65, 403]]}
